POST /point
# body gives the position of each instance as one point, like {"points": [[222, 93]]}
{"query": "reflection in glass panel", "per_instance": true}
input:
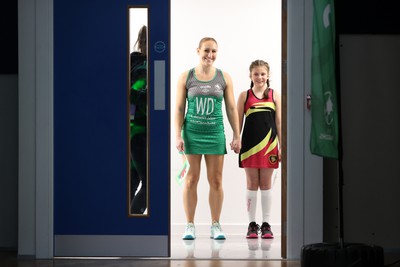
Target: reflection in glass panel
{"points": [[138, 180]]}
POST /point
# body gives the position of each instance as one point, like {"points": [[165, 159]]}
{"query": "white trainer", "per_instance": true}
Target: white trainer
{"points": [[190, 232], [216, 231]]}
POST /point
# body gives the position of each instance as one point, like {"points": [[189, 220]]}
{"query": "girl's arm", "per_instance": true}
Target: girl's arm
{"points": [[277, 99]]}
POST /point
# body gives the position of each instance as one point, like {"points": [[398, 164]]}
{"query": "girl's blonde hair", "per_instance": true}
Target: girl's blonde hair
{"points": [[260, 63]]}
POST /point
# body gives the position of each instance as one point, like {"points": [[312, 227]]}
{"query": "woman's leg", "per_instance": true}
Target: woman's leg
{"points": [[139, 160], [190, 187], [214, 165]]}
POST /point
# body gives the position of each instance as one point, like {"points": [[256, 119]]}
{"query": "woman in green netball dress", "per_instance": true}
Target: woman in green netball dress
{"points": [[201, 131]]}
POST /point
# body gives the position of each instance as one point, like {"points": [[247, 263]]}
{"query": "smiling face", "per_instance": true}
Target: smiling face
{"points": [[207, 52], [259, 75]]}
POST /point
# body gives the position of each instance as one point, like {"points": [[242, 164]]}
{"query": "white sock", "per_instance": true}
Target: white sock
{"points": [[266, 204], [251, 204]]}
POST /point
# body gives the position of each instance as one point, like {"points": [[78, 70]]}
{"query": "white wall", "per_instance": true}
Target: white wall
{"points": [[137, 19], [245, 31]]}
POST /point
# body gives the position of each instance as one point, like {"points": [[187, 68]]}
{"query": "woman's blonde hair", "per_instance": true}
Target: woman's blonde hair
{"points": [[205, 39], [141, 42]]}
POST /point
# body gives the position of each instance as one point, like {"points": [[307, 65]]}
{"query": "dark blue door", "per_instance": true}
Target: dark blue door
{"points": [[91, 143]]}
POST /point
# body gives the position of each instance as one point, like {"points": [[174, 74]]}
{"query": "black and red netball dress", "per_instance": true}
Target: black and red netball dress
{"points": [[259, 138]]}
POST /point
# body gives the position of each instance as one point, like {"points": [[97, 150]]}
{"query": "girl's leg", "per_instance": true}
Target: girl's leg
{"points": [[190, 187], [266, 192], [266, 201], [214, 165], [253, 182], [266, 178]]}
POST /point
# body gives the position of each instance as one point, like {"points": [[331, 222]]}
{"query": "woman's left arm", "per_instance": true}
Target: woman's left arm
{"points": [[232, 113]]}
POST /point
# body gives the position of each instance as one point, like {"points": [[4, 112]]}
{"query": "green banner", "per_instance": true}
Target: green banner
{"points": [[324, 109]]}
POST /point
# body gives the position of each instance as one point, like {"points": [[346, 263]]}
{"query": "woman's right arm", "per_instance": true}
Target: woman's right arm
{"points": [[180, 110]]}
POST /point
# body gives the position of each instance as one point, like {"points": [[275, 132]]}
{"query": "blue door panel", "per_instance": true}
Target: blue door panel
{"points": [[90, 119]]}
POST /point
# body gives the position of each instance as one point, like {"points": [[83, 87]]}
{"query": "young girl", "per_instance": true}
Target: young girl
{"points": [[260, 153]]}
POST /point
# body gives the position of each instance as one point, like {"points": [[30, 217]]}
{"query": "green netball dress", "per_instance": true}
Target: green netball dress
{"points": [[203, 127]]}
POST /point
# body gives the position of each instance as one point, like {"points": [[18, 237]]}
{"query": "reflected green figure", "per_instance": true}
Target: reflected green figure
{"points": [[138, 124]]}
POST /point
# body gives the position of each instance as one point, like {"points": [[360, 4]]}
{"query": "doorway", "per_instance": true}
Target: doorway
{"points": [[244, 33], [304, 193]]}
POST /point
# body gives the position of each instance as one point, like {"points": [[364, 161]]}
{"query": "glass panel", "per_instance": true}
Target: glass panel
{"points": [[138, 105]]}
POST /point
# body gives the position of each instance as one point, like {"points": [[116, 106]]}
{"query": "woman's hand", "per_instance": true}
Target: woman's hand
{"points": [[180, 144], [236, 145]]}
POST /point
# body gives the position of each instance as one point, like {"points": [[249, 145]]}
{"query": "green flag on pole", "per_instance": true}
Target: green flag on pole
{"points": [[324, 109]]}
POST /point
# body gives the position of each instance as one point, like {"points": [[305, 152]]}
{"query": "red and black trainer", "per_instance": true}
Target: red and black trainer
{"points": [[266, 231], [252, 230]]}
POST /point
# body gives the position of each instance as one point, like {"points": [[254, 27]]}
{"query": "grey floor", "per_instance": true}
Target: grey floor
{"points": [[235, 247], [204, 254], [235, 251], [10, 260]]}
